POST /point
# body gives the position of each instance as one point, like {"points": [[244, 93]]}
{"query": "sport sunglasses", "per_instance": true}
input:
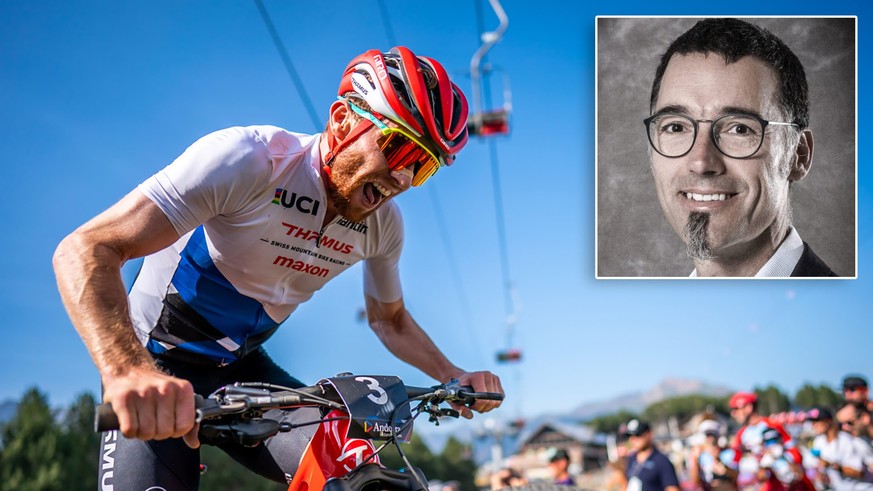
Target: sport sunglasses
{"points": [[402, 149]]}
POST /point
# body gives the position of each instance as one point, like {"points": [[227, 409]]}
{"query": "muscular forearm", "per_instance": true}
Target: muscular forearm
{"points": [[407, 341], [399, 332], [89, 281]]}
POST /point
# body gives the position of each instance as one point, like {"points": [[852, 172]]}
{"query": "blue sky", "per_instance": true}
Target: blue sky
{"points": [[96, 96]]}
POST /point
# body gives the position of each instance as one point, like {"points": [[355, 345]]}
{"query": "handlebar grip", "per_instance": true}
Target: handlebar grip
{"points": [[489, 396], [106, 420], [469, 397]]}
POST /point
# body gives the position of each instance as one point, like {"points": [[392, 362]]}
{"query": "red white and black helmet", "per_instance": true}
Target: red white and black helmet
{"points": [[414, 92]]}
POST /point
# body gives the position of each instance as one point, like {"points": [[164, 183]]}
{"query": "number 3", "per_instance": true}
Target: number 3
{"points": [[373, 385]]}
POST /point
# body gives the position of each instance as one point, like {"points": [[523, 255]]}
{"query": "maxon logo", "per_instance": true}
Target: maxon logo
{"points": [[303, 204]]}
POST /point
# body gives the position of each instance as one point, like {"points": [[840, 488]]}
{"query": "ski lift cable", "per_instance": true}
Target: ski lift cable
{"points": [[289, 66], [466, 312], [488, 40]]}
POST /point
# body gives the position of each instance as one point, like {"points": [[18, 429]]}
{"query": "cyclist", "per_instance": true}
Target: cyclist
{"points": [[240, 229], [756, 436]]}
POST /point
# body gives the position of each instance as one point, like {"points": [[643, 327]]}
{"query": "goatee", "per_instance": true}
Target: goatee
{"points": [[696, 244]]}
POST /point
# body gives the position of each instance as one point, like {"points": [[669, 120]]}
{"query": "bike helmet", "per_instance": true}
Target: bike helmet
{"points": [[742, 398], [414, 92]]}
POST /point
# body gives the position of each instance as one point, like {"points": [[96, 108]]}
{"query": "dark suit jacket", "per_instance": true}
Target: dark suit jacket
{"points": [[811, 265]]}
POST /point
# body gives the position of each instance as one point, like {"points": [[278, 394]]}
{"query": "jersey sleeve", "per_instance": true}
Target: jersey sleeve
{"points": [[219, 174], [381, 269], [737, 447], [864, 452]]}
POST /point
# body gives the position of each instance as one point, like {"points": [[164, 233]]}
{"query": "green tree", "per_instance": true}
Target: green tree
{"points": [[809, 396], [80, 444], [456, 464], [31, 457], [683, 407], [609, 423], [418, 454], [772, 400]]}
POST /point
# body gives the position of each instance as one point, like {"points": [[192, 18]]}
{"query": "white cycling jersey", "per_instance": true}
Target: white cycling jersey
{"points": [[249, 204]]}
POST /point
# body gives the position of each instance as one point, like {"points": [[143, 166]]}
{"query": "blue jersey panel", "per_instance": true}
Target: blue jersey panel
{"points": [[202, 286]]}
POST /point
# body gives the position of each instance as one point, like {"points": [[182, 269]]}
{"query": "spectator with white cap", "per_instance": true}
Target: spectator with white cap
{"points": [[705, 466]]}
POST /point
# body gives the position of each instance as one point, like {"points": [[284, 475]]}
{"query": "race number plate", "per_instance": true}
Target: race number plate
{"points": [[376, 405]]}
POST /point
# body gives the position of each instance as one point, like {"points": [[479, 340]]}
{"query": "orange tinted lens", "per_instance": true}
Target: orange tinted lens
{"points": [[401, 152], [424, 172]]}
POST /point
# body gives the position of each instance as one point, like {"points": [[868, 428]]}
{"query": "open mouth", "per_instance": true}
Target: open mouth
{"points": [[708, 197], [374, 193]]}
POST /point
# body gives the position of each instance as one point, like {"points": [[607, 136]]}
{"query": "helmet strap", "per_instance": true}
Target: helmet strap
{"points": [[335, 145]]}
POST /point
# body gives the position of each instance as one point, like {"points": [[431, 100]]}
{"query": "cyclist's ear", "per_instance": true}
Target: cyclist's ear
{"points": [[341, 119]]}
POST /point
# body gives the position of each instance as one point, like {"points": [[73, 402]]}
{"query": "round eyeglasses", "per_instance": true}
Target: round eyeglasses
{"points": [[738, 136]]}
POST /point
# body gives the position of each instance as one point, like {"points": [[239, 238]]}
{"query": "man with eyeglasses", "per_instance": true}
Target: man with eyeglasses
{"points": [[238, 231], [729, 134], [856, 419], [857, 408]]}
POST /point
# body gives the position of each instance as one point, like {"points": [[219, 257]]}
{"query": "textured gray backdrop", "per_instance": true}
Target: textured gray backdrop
{"points": [[633, 237]]}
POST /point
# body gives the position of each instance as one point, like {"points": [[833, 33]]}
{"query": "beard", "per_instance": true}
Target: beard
{"points": [[342, 184], [341, 203], [696, 244]]}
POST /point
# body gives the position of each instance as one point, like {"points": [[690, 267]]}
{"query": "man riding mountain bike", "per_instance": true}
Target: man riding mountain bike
{"points": [[238, 231]]}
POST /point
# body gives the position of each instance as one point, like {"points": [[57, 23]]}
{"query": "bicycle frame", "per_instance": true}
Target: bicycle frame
{"points": [[331, 453]]}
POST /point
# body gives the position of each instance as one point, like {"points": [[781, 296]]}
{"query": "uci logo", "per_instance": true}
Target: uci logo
{"points": [[303, 204]]}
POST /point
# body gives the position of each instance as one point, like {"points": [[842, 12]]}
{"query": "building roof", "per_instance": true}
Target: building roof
{"points": [[557, 433]]}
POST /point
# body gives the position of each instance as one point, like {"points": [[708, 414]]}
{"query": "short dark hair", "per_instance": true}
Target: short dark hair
{"points": [[733, 39]]}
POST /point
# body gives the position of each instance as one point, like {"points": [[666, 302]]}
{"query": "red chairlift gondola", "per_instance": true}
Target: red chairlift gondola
{"points": [[512, 355]]}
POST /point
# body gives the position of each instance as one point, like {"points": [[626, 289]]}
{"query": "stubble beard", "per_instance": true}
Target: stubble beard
{"points": [[341, 187], [696, 244]]}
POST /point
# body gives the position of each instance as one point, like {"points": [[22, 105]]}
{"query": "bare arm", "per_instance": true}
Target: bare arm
{"points": [[403, 337], [694, 465], [87, 266]]}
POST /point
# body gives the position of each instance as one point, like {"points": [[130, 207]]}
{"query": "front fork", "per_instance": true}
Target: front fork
{"points": [[331, 453]]}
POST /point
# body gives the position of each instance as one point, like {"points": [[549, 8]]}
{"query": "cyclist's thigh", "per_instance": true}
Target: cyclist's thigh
{"points": [[257, 366], [136, 464], [278, 457]]}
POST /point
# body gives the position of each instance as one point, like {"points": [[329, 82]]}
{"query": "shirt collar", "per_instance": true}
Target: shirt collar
{"points": [[782, 262]]}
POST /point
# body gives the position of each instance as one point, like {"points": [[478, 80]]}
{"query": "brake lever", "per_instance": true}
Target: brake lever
{"points": [[213, 409]]}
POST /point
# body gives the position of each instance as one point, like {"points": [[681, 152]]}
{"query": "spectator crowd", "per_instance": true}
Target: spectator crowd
{"points": [[816, 449]]}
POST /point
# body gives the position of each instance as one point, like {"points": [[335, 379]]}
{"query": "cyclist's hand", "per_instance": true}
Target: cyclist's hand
{"points": [[481, 382], [151, 405]]}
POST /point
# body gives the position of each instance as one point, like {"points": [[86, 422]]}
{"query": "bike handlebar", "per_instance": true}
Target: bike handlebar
{"points": [[246, 398], [105, 418]]}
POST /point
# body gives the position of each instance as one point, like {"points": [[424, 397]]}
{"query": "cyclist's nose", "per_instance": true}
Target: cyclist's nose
{"points": [[403, 178], [704, 157]]}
